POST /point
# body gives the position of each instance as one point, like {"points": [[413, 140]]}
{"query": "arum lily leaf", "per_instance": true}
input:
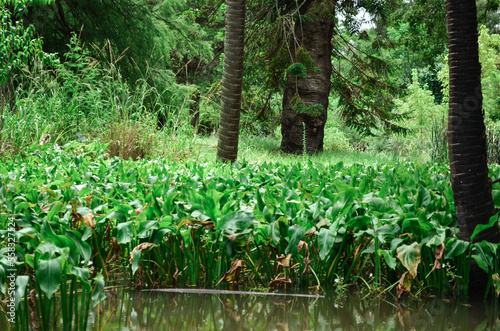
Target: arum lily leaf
{"points": [[49, 274], [296, 234], [237, 221], [481, 227], [21, 283], [409, 255], [125, 233], [98, 294], [455, 247], [389, 259], [326, 239]]}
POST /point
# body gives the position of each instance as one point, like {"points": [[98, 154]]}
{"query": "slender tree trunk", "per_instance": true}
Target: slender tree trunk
{"points": [[315, 37], [466, 131], [232, 78]]}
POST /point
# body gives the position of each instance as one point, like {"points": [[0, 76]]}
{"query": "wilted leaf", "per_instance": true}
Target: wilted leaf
{"points": [[140, 247], [404, 285], [303, 244], [89, 220], [229, 276], [438, 255], [409, 255], [496, 283], [187, 221], [284, 261], [280, 281]]}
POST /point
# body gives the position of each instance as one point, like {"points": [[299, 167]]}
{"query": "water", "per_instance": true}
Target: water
{"points": [[125, 310]]}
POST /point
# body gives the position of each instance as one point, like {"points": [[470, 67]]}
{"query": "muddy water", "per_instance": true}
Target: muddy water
{"points": [[124, 310]]}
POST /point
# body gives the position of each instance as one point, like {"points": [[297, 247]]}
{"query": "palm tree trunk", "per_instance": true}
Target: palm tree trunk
{"points": [[232, 77], [466, 130]]}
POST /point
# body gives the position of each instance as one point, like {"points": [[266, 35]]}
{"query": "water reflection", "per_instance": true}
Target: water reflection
{"points": [[173, 311]]}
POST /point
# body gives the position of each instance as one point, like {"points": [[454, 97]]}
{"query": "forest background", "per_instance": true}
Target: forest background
{"points": [[144, 79]]}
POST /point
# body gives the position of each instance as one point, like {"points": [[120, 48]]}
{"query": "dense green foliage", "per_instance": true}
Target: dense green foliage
{"points": [[80, 217]]}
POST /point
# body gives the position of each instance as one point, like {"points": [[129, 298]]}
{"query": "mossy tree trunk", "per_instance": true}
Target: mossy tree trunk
{"points": [[305, 99]]}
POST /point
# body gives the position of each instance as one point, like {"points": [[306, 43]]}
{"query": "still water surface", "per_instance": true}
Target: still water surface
{"points": [[124, 310]]}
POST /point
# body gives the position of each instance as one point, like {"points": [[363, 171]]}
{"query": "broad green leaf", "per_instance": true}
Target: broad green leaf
{"points": [[389, 259], [343, 203], [125, 233], [455, 247], [274, 233], [49, 274], [84, 248], [483, 256], [326, 239], [481, 227], [98, 295], [409, 255], [296, 234], [83, 275], [135, 260], [423, 197], [236, 221], [54, 210], [21, 284]]}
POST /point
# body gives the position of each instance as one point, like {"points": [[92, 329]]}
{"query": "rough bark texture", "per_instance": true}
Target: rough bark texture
{"points": [[316, 38], [466, 131], [232, 77]]}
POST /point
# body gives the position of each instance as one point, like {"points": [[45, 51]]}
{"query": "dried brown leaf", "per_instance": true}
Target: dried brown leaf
{"points": [[140, 247], [284, 261], [89, 220], [438, 255], [280, 281], [404, 285]]}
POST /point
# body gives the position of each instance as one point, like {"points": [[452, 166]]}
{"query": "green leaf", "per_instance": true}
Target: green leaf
{"points": [[84, 248], [83, 275], [135, 260], [274, 232], [21, 284], [125, 234], [236, 221], [481, 227], [483, 256], [409, 255], [326, 239], [54, 210], [49, 274], [296, 234], [98, 295], [389, 259], [455, 247]]}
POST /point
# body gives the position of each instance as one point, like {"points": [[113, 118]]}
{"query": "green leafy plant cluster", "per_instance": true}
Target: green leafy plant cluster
{"points": [[87, 221]]}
